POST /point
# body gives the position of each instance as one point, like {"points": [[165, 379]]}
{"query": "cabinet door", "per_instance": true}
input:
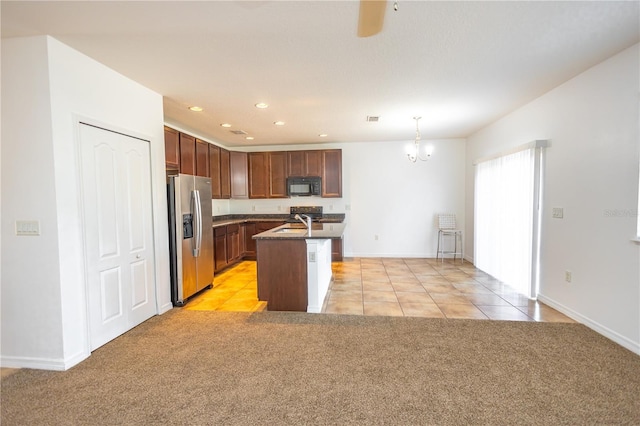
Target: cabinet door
{"points": [[202, 158], [313, 163], [236, 246], [225, 174], [304, 163], [171, 149], [258, 175], [249, 242], [295, 163], [220, 247], [187, 154], [242, 240], [277, 174], [233, 243], [238, 167], [214, 171], [332, 173], [336, 250]]}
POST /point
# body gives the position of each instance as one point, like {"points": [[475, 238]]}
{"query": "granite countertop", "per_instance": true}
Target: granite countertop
{"points": [[293, 231], [231, 219]]}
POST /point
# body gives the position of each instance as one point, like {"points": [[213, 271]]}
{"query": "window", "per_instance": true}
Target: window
{"points": [[507, 217]]}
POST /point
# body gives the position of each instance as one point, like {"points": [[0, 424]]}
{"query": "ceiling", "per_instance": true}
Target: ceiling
{"points": [[459, 65]]}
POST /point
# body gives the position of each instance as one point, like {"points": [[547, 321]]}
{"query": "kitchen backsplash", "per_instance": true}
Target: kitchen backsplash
{"points": [[275, 206]]}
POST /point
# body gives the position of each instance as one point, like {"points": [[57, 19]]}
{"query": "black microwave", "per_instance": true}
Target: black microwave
{"points": [[304, 186]]}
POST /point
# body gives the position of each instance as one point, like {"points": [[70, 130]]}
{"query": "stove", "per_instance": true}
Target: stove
{"points": [[314, 212]]}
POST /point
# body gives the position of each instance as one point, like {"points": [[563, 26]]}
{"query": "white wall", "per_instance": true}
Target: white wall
{"points": [[31, 317], [383, 194], [48, 87], [592, 172]]}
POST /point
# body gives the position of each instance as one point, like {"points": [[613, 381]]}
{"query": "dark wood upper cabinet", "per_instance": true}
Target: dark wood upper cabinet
{"points": [[238, 167], [304, 163], [250, 175], [332, 173], [202, 158], [258, 175], [277, 174], [171, 148], [295, 160], [225, 173], [187, 154], [268, 174], [313, 160], [214, 171]]}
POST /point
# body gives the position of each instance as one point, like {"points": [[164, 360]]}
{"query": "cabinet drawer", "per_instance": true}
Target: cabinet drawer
{"points": [[231, 229], [219, 231]]}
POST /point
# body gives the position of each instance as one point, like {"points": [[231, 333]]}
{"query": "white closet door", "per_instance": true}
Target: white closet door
{"points": [[116, 183]]}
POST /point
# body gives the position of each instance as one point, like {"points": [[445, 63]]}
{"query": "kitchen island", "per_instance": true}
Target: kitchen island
{"points": [[294, 265]]}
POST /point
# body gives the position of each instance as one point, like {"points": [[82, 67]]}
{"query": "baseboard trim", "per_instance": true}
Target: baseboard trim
{"points": [[595, 326], [400, 255], [43, 363]]}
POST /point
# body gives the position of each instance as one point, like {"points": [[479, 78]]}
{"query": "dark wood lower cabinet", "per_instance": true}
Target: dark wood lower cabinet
{"points": [[220, 247], [336, 250], [233, 243], [249, 242]]}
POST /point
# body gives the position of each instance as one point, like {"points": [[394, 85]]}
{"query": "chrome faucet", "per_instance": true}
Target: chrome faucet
{"points": [[307, 222]]}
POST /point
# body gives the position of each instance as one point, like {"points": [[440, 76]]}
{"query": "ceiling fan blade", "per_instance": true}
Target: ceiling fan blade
{"points": [[371, 17]]}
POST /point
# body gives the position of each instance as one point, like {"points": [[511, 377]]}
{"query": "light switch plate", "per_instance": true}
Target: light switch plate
{"points": [[27, 227], [557, 212]]}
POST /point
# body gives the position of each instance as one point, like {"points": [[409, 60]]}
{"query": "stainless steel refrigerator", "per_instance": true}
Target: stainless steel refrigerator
{"points": [[190, 236]]}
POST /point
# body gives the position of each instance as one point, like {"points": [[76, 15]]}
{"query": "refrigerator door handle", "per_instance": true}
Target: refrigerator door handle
{"points": [[197, 215]]}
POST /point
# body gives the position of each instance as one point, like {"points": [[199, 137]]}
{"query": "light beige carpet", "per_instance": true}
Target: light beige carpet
{"points": [[205, 368]]}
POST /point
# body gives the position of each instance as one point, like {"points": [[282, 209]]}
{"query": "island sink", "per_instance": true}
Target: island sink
{"points": [[291, 231]]}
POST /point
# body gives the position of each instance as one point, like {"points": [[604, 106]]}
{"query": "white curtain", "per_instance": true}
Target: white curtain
{"points": [[504, 219]]}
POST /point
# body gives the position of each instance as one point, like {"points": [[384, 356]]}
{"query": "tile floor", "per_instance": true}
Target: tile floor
{"points": [[392, 287]]}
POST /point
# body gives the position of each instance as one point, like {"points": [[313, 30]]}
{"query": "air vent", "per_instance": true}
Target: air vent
{"points": [[238, 132], [372, 118]]}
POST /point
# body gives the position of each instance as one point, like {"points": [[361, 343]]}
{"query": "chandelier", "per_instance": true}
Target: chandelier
{"points": [[414, 151]]}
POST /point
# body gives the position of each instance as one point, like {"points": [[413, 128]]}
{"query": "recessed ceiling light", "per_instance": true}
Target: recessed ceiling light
{"points": [[249, 138], [279, 123], [262, 105], [323, 135], [225, 125], [195, 108]]}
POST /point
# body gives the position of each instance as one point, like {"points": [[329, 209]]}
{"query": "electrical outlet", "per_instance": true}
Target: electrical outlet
{"points": [[253, 208], [567, 276], [557, 212], [375, 237]]}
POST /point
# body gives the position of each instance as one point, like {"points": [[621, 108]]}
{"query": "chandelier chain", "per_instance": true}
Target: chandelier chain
{"points": [[415, 154]]}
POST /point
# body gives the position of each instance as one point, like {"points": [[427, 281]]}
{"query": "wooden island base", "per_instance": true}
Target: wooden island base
{"points": [[282, 274], [294, 265]]}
